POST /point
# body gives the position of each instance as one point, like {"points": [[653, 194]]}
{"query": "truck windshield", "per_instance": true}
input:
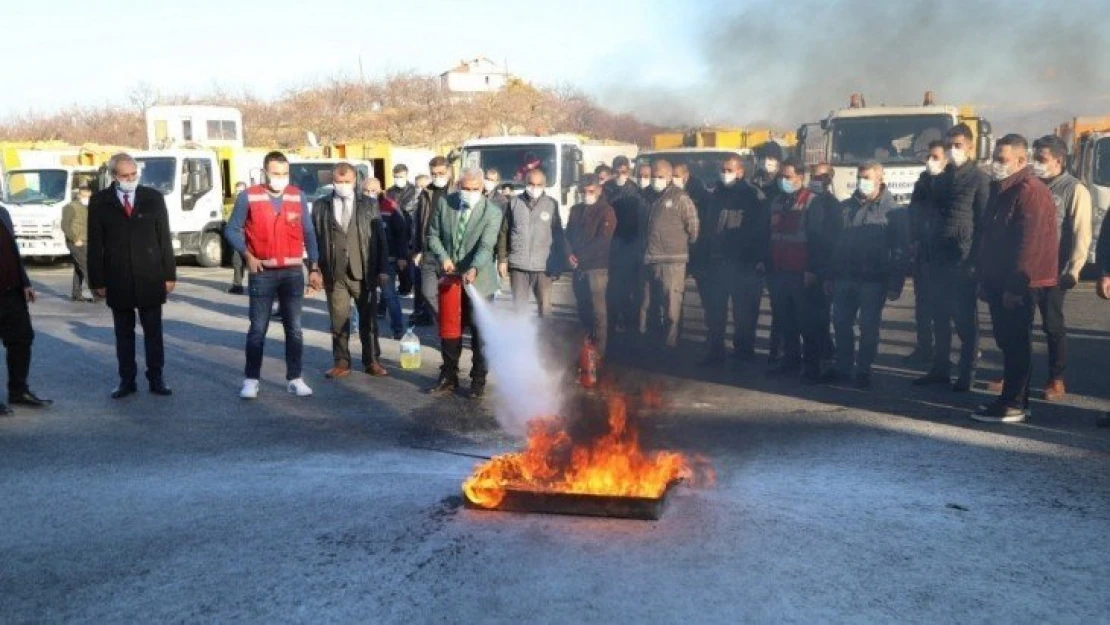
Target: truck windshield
{"points": [[1102, 163], [889, 139], [513, 161], [704, 165], [158, 173], [314, 179], [38, 186]]}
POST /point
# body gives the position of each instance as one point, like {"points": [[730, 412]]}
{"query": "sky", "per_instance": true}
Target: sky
{"points": [[70, 52]]}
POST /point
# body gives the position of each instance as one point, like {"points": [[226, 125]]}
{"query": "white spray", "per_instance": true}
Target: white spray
{"points": [[525, 389]]}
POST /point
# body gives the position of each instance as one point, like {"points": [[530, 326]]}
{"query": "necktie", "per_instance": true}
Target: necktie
{"points": [[460, 233], [345, 213], [127, 208]]}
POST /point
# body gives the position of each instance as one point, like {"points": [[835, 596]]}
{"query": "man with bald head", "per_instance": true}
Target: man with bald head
{"points": [[670, 229]]}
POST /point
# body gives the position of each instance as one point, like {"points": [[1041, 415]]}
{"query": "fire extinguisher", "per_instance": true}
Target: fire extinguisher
{"points": [[587, 364], [450, 307]]}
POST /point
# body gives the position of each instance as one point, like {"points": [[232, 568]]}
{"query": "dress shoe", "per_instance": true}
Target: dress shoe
{"points": [[376, 369], [125, 389], [337, 372], [933, 377], [236, 290], [444, 386], [1054, 390], [158, 387], [27, 398], [994, 386]]}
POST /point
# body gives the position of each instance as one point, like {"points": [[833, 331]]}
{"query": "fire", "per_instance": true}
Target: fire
{"points": [[614, 464]]}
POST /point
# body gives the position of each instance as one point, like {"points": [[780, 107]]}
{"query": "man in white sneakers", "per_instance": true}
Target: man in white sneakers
{"points": [[271, 227]]}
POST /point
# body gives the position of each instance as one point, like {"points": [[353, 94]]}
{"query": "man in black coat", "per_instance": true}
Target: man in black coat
{"points": [[131, 263], [15, 319]]}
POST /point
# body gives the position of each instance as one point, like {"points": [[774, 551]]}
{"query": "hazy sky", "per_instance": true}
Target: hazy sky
{"points": [[73, 51]]}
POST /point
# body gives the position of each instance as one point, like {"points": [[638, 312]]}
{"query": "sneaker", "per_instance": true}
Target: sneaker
{"points": [[933, 377], [1054, 390], [998, 412], [249, 390], [299, 388]]}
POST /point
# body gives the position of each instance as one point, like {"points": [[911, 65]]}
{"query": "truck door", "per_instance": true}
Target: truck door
{"points": [[200, 201]]}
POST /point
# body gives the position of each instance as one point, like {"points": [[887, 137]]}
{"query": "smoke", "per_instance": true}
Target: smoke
{"points": [[526, 389], [792, 62]]}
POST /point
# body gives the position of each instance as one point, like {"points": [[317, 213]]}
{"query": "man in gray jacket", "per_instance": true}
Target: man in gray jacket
{"points": [[531, 246], [672, 226]]}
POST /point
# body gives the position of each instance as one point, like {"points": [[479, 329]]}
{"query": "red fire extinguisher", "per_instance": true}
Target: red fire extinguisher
{"points": [[450, 307], [587, 364]]}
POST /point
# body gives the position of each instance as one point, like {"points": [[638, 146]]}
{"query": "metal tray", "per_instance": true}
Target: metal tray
{"points": [[541, 502]]}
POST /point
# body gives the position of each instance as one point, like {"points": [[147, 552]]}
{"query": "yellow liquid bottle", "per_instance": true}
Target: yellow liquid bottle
{"points": [[410, 351]]}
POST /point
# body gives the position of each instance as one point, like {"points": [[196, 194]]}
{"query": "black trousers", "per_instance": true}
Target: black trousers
{"points": [[1013, 332], [16, 332], [955, 302], [923, 309], [238, 268], [151, 320], [452, 348], [80, 268], [1050, 304]]}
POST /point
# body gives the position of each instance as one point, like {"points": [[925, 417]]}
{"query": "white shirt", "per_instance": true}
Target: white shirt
{"points": [[341, 208], [130, 197]]}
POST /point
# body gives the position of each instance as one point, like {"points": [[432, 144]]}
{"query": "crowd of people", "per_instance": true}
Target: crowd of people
{"points": [[1015, 238]]}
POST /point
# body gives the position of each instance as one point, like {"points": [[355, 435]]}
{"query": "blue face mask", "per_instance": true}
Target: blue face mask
{"points": [[786, 185]]}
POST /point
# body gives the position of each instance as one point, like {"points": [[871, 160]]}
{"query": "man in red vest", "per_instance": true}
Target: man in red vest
{"points": [[272, 228]]}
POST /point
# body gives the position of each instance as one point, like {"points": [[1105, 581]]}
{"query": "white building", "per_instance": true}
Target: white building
{"points": [[178, 125], [479, 75]]}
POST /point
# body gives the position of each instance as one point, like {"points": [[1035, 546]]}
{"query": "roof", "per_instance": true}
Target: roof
{"points": [[876, 111], [466, 65], [521, 140]]}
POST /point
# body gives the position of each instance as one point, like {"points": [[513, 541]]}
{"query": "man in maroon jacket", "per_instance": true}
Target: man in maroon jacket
{"points": [[1017, 259]]}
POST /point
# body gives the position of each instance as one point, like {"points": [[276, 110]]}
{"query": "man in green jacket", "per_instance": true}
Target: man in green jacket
{"points": [[75, 226], [462, 235]]}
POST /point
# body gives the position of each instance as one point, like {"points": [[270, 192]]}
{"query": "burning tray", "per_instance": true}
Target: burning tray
{"points": [[549, 502]]}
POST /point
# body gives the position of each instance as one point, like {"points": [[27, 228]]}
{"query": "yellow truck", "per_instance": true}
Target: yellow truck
{"points": [[1088, 141], [728, 138]]}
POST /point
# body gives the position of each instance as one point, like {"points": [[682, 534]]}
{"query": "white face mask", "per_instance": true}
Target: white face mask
{"points": [[659, 184], [439, 181], [727, 178], [645, 183], [1040, 170], [679, 182], [590, 199], [277, 185], [400, 182], [957, 156], [128, 186], [534, 191], [770, 165], [83, 200], [489, 185], [346, 190], [865, 187], [1000, 172], [470, 199], [622, 179], [934, 167]]}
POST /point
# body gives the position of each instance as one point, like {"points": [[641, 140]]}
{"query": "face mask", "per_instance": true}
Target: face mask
{"points": [[489, 185], [439, 181], [535, 192], [934, 167], [1040, 170], [128, 187], [659, 184], [471, 198], [679, 182], [999, 172], [400, 183], [817, 186], [622, 179], [277, 185], [865, 187], [84, 201], [770, 165], [727, 178], [957, 156], [591, 200], [645, 183], [347, 190], [786, 185]]}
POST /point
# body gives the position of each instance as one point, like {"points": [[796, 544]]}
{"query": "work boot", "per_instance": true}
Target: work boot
{"points": [[445, 385], [1054, 390], [995, 386], [933, 377]]}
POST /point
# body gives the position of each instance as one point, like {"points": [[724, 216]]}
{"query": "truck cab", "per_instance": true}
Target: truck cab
{"points": [[704, 163], [1091, 165], [35, 197], [560, 158]]}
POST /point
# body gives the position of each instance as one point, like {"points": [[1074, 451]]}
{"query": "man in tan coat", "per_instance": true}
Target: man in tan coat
{"points": [[75, 226]]}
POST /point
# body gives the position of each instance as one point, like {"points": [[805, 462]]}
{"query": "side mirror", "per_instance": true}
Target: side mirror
{"points": [[825, 124]]}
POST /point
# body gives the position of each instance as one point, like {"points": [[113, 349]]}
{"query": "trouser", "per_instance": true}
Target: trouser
{"points": [[740, 284], [406, 279], [17, 335], [590, 286], [662, 286], [624, 279], [797, 310], [452, 348], [1013, 332], [427, 296], [1050, 303], [80, 256], [238, 268], [287, 286], [854, 299], [392, 300], [922, 309], [124, 321], [339, 309], [954, 301], [525, 284]]}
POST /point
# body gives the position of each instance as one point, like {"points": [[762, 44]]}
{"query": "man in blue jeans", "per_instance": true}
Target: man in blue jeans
{"points": [[867, 270], [271, 227]]}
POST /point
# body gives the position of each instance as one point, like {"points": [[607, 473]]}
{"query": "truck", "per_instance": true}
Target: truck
{"points": [[704, 163], [378, 159], [713, 137], [1088, 140], [895, 136]]}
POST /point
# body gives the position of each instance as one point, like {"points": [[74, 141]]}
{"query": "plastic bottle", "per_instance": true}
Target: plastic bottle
{"points": [[410, 351]]}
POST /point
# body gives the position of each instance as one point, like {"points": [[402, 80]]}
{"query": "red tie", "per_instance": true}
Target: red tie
{"points": [[127, 208]]}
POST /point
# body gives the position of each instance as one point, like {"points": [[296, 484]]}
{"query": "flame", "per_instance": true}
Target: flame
{"points": [[613, 464]]}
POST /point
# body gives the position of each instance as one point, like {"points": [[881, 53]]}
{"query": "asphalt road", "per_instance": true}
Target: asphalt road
{"points": [[831, 504]]}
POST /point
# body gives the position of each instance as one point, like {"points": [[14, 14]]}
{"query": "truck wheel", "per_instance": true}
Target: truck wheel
{"points": [[211, 250]]}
